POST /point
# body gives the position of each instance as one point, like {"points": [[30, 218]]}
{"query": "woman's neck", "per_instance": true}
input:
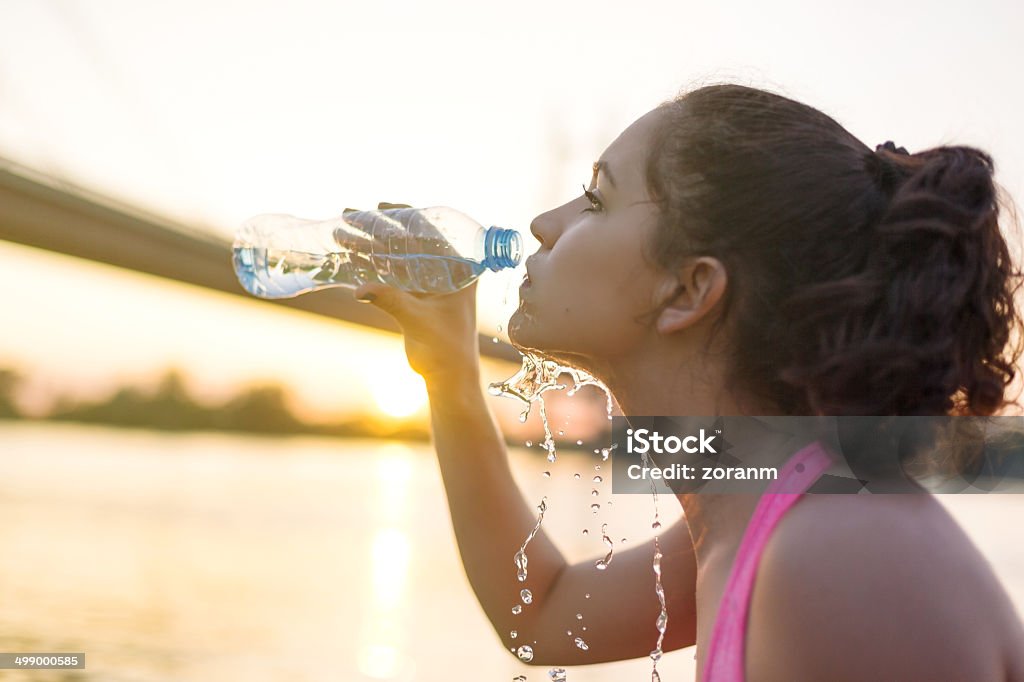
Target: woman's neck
{"points": [[716, 520]]}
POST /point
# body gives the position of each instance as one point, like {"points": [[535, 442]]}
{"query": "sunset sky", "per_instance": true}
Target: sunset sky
{"points": [[209, 112]]}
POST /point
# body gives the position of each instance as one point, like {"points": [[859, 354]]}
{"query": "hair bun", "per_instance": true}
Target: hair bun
{"points": [[890, 146]]}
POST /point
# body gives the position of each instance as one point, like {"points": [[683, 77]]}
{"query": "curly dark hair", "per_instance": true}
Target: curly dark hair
{"points": [[861, 282]]}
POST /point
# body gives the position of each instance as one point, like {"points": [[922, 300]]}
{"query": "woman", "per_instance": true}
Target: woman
{"points": [[739, 253]]}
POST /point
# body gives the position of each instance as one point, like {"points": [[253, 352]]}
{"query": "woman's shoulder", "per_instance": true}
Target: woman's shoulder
{"points": [[876, 587]]}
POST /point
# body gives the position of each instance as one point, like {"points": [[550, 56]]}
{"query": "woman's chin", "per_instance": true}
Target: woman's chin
{"points": [[519, 328]]}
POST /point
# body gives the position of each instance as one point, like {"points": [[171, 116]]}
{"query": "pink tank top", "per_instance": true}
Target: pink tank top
{"points": [[724, 662]]}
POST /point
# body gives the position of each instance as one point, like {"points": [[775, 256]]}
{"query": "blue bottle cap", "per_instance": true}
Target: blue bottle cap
{"points": [[503, 248]]}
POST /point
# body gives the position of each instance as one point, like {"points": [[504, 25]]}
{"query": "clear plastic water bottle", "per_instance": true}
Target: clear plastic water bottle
{"points": [[425, 250]]}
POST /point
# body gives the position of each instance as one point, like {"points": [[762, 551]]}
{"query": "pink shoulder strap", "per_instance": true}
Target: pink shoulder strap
{"points": [[724, 662]]}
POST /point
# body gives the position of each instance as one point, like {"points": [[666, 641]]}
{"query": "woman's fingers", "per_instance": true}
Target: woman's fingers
{"points": [[388, 299]]}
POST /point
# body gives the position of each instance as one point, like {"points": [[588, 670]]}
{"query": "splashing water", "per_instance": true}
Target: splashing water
{"points": [[602, 564], [549, 440], [526, 596], [581, 379], [538, 375], [513, 634], [528, 385], [534, 378], [520, 557], [517, 609], [557, 674], [662, 622]]}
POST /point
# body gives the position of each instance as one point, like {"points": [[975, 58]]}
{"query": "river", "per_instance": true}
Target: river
{"points": [[227, 557]]}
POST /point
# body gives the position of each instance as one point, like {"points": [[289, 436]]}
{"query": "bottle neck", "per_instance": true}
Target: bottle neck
{"points": [[503, 248]]}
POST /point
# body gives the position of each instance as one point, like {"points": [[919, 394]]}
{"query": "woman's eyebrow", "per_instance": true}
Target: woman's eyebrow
{"points": [[601, 165]]}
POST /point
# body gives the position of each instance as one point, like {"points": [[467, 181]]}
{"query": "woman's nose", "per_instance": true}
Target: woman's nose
{"points": [[545, 228]]}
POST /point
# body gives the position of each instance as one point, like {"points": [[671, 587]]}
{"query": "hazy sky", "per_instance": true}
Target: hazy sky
{"points": [[213, 111]]}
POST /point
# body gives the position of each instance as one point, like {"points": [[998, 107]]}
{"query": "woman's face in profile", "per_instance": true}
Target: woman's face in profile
{"points": [[589, 280]]}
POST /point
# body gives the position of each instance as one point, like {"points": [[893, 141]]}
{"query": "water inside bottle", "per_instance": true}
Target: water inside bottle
{"points": [[281, 273], [430, 251]]}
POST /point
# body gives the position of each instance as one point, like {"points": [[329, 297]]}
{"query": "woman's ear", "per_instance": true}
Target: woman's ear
{"points": [[689, 295]]}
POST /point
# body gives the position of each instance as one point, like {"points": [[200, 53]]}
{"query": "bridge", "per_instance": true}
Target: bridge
{"points": [[48, 213]]}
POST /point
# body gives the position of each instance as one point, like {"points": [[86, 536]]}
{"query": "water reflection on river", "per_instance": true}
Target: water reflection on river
{"points": [[222, 557]]}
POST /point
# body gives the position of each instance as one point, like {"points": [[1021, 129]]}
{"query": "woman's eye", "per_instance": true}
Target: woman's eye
{"points": [[595, 203]]}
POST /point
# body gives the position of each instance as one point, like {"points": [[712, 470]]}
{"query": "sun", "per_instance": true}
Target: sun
{"points": [[397, 390]]}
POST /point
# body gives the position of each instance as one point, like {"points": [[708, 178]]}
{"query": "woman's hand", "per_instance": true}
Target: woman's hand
{"points": [[440, 329]]}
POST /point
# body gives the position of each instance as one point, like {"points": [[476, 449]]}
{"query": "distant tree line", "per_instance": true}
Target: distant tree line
{"points": [[170, 407]]}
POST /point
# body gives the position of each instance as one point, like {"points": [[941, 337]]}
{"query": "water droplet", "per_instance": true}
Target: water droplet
{"points": [[656, 525], [526, 596], [656, 655], [579, 616], [499, 326], [518, 678], [576, 477], [595, 507], [517, 609], [580, 644], [546, 474], [569, 633], [585, 531], [598, 479], [525, 653], [551, 457], [609, 503], [523, 416], [622, 540], [662, 622], [579, 442], [494, 339], [529, 443], [557, 674], [584, 628], [597, 467], [561, 432], [521, 562], [602, 564], [514, 634], [594, 493], [586, 596], [604, 454]]}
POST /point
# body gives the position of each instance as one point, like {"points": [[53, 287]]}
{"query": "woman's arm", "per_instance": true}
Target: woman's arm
{"points": [[491, 519]]}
